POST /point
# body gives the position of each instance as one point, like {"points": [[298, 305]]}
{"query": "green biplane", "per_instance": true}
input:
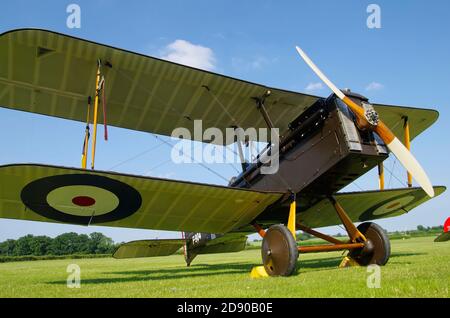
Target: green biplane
{"points": [[325, 143]]}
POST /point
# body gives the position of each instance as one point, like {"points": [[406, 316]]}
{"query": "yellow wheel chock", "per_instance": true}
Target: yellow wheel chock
{"points": [[258, 272]]}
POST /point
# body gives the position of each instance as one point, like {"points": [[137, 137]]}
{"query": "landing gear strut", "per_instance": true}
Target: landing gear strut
{"points": [[368, 243], [377, 248]]}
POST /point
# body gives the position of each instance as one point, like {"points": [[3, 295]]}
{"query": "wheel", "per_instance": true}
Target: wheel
{"points": [[378, 248], [279, 251]]}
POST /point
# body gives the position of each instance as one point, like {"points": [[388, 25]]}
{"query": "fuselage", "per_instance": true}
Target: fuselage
{"points": [[322, 152]]}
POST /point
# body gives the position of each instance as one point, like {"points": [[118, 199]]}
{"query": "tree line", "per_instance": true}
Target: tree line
{"points": [[64, 244], [97, 243]]}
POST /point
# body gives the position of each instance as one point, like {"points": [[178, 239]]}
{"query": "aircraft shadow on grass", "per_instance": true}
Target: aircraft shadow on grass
{"points": [[199, 270], [394, 256], [205, 270], [404, 254]]}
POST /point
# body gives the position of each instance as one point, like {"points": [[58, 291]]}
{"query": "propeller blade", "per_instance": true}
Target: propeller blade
{"points": [[395, 146]]}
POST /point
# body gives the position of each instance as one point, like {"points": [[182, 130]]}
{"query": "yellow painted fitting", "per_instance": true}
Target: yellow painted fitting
{"points": [[408, 146], [291, 221], [348, 262], [97, 93], [258, 272], [381, 175], [84, 157]]}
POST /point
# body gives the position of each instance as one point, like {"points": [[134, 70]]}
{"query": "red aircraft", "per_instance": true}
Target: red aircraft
{"points": [[444, 237]]}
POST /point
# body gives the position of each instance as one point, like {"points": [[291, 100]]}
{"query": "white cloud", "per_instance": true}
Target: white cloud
{"points": [[374, 86], [314, 87], [258, 63], [254, 64], [184, 52]]}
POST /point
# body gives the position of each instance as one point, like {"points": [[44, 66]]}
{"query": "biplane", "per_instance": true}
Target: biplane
{"points": [[445, 235], [325, 143]]}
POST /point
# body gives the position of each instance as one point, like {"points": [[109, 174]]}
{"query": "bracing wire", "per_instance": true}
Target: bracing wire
{"points": [[286, 184], [157, 166], [174, 111], [358, 186], [193, 160], [392, 174], [136, 156]]}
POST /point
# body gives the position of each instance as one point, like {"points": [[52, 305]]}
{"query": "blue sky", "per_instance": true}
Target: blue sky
{"points": [[404, 63]]}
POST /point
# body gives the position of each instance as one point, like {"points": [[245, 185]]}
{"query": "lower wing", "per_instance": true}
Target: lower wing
{"points": [[365, 206], [77, 196]]}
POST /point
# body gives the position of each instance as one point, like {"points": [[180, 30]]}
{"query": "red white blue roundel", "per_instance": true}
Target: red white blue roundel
{"points": [[391, 206], [81, 198]]}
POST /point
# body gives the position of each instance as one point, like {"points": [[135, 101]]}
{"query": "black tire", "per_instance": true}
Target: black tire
{"points": [[279, 251], [380, 246]]}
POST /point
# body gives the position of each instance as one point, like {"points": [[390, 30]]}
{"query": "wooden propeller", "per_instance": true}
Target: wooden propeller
{"points": [[393, 143]]}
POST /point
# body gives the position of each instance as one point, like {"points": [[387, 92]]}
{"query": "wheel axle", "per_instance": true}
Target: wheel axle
{"points": [[329, 248]]}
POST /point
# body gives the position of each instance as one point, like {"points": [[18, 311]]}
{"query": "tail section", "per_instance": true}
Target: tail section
{"points": [[193, 244], [148, 248], [206, 243]]}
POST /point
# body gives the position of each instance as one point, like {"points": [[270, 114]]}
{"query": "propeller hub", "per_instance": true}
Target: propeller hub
{"points": [[370, 114]]}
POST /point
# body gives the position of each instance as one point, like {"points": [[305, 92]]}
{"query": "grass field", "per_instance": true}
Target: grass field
{"points": [[418, 268]]}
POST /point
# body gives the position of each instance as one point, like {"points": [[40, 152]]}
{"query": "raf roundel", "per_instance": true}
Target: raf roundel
{"points": [[81, 198], [389, 207]]}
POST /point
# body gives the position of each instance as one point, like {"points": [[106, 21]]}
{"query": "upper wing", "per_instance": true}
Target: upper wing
{"points": [[53, 74], [419, 119], [365, 206], [69, 195]]}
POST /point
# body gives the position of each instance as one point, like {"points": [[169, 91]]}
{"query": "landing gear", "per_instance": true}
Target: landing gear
{"points": [[377, 248], [279, 251], [367, 244]]}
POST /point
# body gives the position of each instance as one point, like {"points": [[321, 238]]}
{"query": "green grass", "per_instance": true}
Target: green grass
{"points": [[418, 268]]}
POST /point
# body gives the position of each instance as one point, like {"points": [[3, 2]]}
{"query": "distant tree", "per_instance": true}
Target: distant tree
{"points": [[303, 236], [64, 244], [23, 246], [420, 228], [7, 247], [82, 244], [100, 244], [41, 245]]}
